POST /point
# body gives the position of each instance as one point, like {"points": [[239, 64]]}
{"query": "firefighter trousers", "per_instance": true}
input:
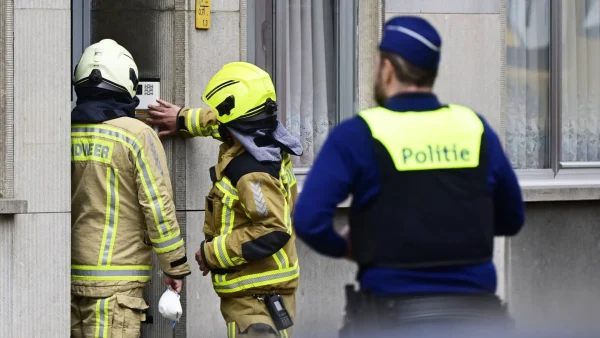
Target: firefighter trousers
{"points": [[248, 317], [118, 316]]}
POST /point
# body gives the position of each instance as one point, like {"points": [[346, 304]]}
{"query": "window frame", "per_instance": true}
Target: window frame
{"points": [[346, 55], [80, 34], [560, 174]]}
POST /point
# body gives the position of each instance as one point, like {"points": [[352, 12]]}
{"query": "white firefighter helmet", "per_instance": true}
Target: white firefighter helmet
{"points": [[107, 65]]}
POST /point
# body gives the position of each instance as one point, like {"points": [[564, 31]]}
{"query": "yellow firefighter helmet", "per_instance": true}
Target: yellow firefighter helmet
{"points": [[241, 91]]}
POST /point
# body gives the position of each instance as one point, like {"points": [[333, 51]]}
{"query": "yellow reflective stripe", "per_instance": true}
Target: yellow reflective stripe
{"points": [[258, 280], [212, 130], [238, 260], [112, 217], [111, 272], [196, 122], [221, 251], [97, 333], [283, 334], [115, 217], [176, 245], [227, 188], [278, 261], [102, 322], [281, 259], [168, 243], [292, 176], [190, 122], [286, 260], [193, 124], [227, 217], [447, 138], [146, 175], [288, 217], [216, 249], [231, 330], [227, 220]]}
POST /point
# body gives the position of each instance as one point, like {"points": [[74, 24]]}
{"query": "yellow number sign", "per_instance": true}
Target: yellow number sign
{"points": [[202, 14]]}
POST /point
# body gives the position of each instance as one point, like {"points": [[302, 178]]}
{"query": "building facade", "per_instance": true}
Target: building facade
{"points": [[531, 67]]}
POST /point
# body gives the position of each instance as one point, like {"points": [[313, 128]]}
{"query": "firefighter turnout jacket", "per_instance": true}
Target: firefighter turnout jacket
{"points": [[122, 208], [250, 242]]}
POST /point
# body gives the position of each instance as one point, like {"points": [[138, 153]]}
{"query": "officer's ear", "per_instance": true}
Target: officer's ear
{"points": [[387, 71]]}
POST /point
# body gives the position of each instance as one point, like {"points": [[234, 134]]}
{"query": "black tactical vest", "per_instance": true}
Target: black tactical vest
{"points": [[435, 208]]}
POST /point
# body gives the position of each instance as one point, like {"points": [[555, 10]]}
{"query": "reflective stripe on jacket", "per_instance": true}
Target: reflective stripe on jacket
{"points": [[122, 208], [250, 241]]}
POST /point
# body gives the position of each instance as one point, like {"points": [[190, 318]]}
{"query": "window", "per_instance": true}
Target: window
{"points": [[553, 80], [308, 48]]}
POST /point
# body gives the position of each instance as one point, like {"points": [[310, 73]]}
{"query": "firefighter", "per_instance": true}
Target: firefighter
{"points": [[431, 187], [249, 247], [121, 200]]}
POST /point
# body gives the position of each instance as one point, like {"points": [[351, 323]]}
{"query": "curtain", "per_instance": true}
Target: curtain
{"points": [[528, 86], [580, 81], [308, 83]]}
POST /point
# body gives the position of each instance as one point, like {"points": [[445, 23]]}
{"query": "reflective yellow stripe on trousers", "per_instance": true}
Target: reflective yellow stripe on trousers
{"points": [[102, 322]]}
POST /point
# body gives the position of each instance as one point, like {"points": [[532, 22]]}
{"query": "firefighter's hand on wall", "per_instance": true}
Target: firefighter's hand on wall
{"points": [[205, 270], [175, 284], [164, 116]]}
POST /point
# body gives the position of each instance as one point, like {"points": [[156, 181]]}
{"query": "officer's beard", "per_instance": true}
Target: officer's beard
{"points": [[378, 92]]}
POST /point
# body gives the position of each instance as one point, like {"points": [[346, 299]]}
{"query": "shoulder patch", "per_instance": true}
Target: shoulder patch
{"points": [[245, 164]]}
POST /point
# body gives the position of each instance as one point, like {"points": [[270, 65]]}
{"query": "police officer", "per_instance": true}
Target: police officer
{"points": [[249, 246], [121, 200], [431, 187]]}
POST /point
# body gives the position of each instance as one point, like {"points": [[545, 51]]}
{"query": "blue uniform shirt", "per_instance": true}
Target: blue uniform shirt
{"points": [[346, 165]]}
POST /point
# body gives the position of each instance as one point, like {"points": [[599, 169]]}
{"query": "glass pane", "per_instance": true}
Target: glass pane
{"points": [[263, 31], [580, 80], [528, 83], [306, 72]]}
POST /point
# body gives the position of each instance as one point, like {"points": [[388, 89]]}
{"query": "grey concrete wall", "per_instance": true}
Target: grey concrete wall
{"points": [[5, 67], [554, 267], [35, 247]]}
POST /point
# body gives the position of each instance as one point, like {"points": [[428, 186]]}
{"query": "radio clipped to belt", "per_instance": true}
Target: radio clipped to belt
{"points": [[279, 314]]}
